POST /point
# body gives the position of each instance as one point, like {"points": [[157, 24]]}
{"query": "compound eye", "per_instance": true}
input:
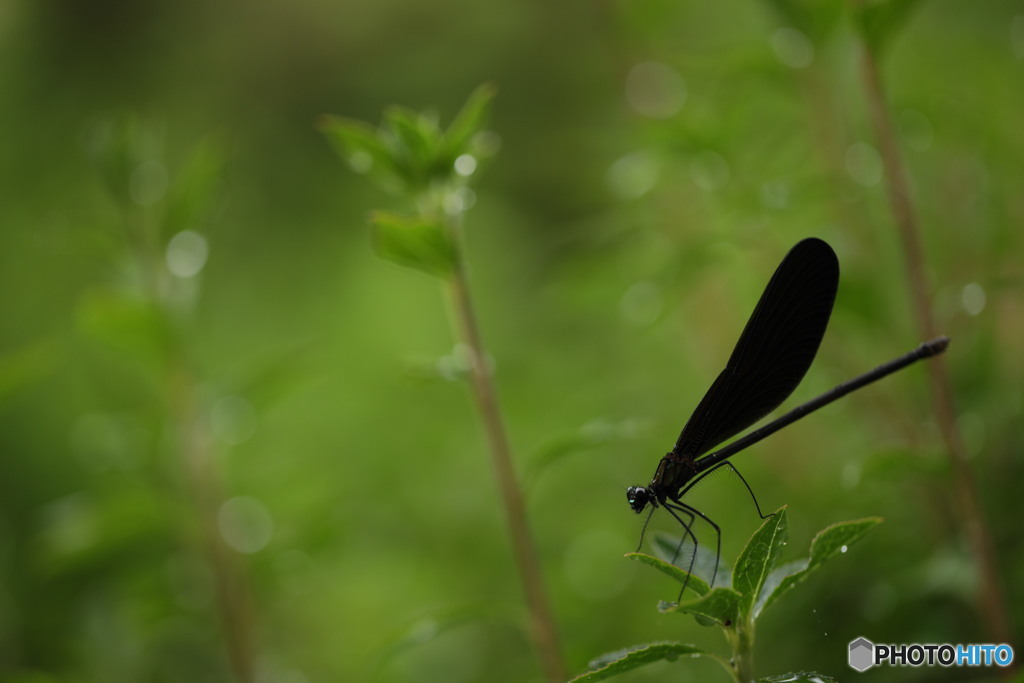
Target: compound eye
{"points": [[637, 496]]}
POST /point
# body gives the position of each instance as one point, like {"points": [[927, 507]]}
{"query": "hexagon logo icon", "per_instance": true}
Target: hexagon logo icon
{"points": [[862, 654]]}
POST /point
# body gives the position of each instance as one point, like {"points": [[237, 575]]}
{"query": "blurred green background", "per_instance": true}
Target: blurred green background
{"points": [[657, 161]]}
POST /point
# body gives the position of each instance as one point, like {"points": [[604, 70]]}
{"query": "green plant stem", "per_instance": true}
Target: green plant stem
{"points": [[231, 590], [991, 603], [726, 664], [541, 621], [741, 640], [195, 452]]}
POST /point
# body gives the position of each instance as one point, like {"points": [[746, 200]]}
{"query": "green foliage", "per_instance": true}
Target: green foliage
{"points": [[830, 542], [759, 557], [695, 583], [817, 19], [720, 606], [880, 21], [142, 315], [757, 582], [420, 243], [82, 534], [621, 661], [197, 189], [119, 147], [131, 156], [132, 325], [597, 307], [798, 677], [409, 154]]}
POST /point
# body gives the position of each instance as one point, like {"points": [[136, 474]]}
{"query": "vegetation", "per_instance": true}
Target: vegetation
{"points": [[240, 447]]}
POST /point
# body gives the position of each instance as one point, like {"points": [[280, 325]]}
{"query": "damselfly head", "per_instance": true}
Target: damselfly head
{"points": [[638, 497]]}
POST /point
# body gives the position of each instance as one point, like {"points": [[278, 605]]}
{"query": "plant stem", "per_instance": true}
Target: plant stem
{"points": [[541, 623], [231, 589], [192, 442], [741, 640], [991, 603]]}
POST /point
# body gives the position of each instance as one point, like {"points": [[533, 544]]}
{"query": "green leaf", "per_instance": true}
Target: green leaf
{"points": [[720, 606], [360, 145], [814, 18], [195, 192], [470, 120], [409, 153], [830, 542], [798, 677], [707, 564], [134, 326], [695, 583], [90, 533], [880, 21], [759, 557], [419, 243], [427, 628], [415, 145], [119, 146], [775, 579], [621, 661]]}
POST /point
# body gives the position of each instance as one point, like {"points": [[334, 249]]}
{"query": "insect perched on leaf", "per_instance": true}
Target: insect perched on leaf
{"points": [[770, 359]]}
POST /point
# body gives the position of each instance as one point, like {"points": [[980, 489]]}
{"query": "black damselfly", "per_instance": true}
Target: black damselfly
{"points": [[771, 357]]}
